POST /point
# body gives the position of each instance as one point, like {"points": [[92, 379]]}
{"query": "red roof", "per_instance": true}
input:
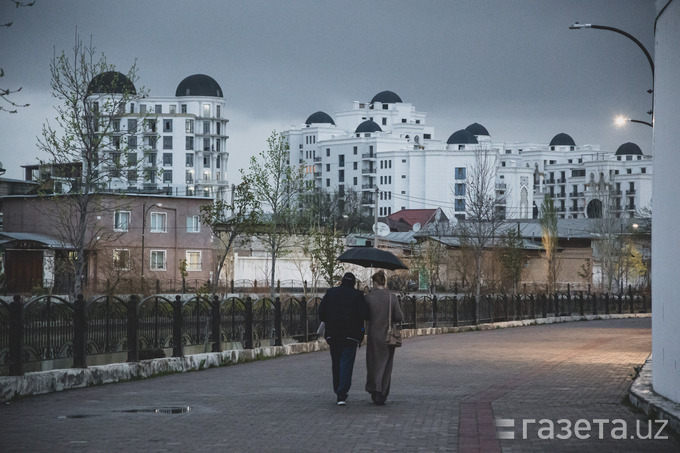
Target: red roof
{"points": [[410, 217]]}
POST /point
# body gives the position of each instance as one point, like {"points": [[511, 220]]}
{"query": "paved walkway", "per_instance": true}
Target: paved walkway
{"points": [[447, 392]]}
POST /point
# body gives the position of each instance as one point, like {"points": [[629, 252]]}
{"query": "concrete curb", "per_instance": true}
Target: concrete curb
{"points": [[41, 382], [641, 394]]}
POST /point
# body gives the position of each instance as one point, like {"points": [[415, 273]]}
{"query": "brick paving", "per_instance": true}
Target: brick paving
{"points": [[447, 392]]}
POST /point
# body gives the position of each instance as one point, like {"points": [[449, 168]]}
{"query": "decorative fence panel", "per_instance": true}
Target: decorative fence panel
{"points": [[52, 332]]}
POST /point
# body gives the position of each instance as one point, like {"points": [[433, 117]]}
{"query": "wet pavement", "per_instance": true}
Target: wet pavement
{"points": [[559, 387]]}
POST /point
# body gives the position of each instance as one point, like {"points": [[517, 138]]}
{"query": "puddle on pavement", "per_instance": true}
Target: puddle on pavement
{"points": [[75, 416], [161, 410]]}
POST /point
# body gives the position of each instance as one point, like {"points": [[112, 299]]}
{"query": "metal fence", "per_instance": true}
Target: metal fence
{"points": [[48, 332]]}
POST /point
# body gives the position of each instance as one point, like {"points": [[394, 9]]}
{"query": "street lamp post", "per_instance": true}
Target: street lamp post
{"points": [[577, 26], [621, 120]]}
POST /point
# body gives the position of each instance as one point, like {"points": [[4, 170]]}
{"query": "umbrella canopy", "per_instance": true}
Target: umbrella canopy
{"points": [[372, 257]]}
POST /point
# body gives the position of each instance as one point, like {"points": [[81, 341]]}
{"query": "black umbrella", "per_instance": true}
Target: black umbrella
{"points": [[372, 257]]}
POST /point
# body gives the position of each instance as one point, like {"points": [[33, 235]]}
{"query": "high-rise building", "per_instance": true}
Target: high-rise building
{"points": [[384, 149]]}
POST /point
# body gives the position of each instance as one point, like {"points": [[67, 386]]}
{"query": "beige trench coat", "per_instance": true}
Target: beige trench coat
{"points": [[379, 356]]}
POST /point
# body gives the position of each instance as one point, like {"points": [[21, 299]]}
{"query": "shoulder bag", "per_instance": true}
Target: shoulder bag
{"points": [[393, 333]]}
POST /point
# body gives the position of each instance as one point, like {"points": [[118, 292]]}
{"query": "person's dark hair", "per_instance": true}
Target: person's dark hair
{"points": [[349, 279], [379, 278]]}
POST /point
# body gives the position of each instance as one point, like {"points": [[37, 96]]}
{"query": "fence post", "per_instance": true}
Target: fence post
{"points": [[177, 349], [505, 307], [595, 303], [434, 311], [16, 337], [556, 297], [518, 306], [533, 305], [305, 323], [248, 331], [79, 333], [415, 312], [490, 302], [132, 324], [580, 304], [215, 324], [277, 322], [606, 305], [644, 303], [569, 307], [455, 310], [544, 305]]}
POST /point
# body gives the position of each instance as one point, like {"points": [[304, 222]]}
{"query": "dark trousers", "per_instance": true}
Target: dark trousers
{"points": [[343, 354]]}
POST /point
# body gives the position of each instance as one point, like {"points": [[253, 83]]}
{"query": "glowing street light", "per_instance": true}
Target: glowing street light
{"points": [[622, 120]]}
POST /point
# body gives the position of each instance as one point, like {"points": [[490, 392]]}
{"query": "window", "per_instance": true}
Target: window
{"points": [[206, 144], [459, 190], [142, 108], [157, 260], [328, 167], [190, 160], [460, 204], [132, 177], [121, 259], [193, 260], [167, 142], [206, 127], [206, 109], [460, 173], [355, 180], [132, 142], [167, 158], [183, 108], [151, 142], [173, 109], [341, 176], [328, 182], [159, 222], [189, 177], [167, 125], [158, 108], [341, 160], [356, 165], [193, 224], [189, 143], [218, 112], [218, 128], [384, 121], [131, 159], [132, 107], [131, 125], [121, 220], [167, 176], [328, 152], [403, 176], [643, 170], [189, 126], [116, 125]]}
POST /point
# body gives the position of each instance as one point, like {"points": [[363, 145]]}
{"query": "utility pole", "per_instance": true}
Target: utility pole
{"points": [[375, 224]]}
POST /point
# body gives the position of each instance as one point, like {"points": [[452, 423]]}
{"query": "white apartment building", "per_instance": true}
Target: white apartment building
{"points": [[181, 147], [384, 147]]}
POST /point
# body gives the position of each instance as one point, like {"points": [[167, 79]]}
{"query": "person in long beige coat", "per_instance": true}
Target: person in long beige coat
{"points": [[380, 356]]}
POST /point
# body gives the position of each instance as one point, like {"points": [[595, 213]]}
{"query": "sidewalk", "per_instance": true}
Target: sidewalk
{"points": [[448, 392]]}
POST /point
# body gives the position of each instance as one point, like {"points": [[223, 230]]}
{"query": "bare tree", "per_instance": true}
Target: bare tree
{"points": [[512, 257], [483, 219], [5, 93], [278, 187], [87, 139], [228, 222]]}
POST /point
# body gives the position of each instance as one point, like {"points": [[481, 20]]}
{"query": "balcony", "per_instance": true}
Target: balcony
{"points": [[368, 171], [367, 186], [368, 156], [630, 192], [317, 159]]}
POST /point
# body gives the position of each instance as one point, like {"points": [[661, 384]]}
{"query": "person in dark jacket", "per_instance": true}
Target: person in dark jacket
{"points": [[343, 310]]}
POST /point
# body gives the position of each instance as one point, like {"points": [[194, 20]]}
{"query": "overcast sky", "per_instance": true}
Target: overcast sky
{"points": [[510, 65]]}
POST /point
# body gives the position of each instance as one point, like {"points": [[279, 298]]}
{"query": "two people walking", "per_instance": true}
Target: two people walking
{"points": [[343, 310]]}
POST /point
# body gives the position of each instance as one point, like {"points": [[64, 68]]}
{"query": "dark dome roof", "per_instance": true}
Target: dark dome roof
{"points": [[111, 82], [199, 85], [629, 148], [462, 137], [386, 97], [368, 126], [477, 129], [562, 139], [320, 117]]}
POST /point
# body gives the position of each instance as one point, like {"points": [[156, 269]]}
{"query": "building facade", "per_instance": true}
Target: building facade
{"points": [[384, 151], [174, 145]]}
